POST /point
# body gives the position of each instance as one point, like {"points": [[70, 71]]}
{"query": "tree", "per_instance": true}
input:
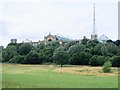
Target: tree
{"points": [[69, 44], [53, 44], [101, 60], [112, 48], [117, 42], [104, 50], [75, 59], [81, 58], [61, 48], [17, 59], [61, 57], [40, 47], [32, 58], [109, 41], [118, 49], [93, 61], [98, 60], [115, 61], [76, 48], [97, 49], [92, 43], [9, 52], [25, 48], [6, 56], [84, 40], [48, 53]]}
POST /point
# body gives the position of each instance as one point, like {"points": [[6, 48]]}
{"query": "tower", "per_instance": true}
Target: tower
{"points": [[14, 41], [94, 35]]}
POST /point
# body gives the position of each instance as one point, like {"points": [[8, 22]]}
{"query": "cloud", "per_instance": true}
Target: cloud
{"points": [[43, 18], [64, 1], [74, 18]]}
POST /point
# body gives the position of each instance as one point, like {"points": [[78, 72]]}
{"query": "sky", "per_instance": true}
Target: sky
{"points": [[34, 19]]}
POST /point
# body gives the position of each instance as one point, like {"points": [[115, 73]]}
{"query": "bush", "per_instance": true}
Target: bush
{"points": [[107, 67]]}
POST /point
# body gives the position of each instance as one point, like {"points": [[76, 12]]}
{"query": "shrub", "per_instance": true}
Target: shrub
{"points": [[107, 67]]}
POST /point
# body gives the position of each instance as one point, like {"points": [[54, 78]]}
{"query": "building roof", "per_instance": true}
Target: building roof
{"points": [[62, 38], [27, 41], [103, 38]]}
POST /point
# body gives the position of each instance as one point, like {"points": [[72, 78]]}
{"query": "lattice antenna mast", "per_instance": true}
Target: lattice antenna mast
{"points": [[94, 35]]}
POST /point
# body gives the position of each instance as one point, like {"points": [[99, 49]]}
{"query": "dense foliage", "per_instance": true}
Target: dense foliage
{"points": [[107, 67], [87, 52]]}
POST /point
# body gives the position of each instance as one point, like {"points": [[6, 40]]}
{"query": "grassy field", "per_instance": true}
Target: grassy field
{"points": [[52, 76]]}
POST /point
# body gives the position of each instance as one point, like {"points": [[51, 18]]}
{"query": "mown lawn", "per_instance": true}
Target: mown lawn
{"points": [[45, 76]]}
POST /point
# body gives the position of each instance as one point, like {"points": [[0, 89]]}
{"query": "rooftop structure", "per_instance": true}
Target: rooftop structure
{"points": [[14, 41], [103, 38]]}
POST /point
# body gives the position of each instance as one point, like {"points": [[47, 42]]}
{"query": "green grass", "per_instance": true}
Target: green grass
{"points": [[40, 76]]}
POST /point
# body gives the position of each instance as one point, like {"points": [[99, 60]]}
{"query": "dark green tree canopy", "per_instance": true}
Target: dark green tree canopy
{"points": [[76, 48], [32, 58], [25, 48], [85, 52], [61, 57], [9, 52], [69, 44]]}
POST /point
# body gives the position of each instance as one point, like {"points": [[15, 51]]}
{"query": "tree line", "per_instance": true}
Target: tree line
{"points": [[88, 52]]}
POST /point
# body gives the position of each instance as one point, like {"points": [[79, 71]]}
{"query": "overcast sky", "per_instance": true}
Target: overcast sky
{"points": [[34, 19]]}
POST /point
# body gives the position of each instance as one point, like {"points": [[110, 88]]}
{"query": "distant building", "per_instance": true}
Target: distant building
{"points": [[56, 38], [27, 41], [94, 36], [32, 43], [36, 43], [50, 38], [14, 41], [103, 38], [1, 48], [62, 40]]}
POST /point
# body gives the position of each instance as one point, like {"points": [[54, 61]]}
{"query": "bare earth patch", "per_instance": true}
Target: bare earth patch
{"points": [[86, 70]]}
